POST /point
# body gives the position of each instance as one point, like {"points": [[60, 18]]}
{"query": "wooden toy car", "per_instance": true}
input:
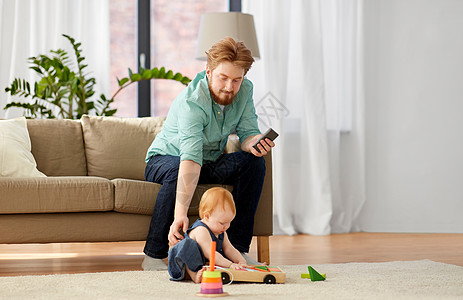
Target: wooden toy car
{"points": [[265, 274]]}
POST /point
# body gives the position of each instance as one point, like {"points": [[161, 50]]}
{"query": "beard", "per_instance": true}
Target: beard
{"points": [[223, 98]]}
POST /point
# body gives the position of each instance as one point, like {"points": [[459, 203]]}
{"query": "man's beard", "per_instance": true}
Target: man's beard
{"points": [[225, 100]]}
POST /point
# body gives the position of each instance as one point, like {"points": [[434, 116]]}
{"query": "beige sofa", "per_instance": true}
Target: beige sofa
{"points": [[95, 189]]}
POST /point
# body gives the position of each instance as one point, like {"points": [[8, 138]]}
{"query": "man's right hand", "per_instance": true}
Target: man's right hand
{"points": [[188, 175], [174, 233]]}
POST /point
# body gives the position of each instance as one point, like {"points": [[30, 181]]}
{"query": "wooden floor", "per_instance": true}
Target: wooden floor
{"points": [[28, 259]]}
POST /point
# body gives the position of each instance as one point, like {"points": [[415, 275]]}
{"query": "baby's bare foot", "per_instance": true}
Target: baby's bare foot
{"points": [[199, 275]]}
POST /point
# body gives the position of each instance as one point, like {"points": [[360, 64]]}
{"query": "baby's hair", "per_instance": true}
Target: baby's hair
{"points": [[214, 197]]}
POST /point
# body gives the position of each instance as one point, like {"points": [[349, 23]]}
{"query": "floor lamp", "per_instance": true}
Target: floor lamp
{"points": [[217, 25]]}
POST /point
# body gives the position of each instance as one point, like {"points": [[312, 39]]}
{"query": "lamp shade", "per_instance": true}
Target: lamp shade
{"points": [[218, 25]]}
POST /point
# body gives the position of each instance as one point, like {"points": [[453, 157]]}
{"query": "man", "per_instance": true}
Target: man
{"points": [[189, 150]]}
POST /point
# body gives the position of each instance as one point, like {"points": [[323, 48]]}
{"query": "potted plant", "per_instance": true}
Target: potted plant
{"points": [[66, 91]]}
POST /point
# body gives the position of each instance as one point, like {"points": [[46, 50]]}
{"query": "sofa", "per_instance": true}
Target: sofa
{"points": [[93, 187]]}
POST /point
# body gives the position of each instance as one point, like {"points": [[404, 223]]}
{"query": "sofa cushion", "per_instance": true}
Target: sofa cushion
{"points": [[233, 144], [139, 197], [55, 194], [116, 147], [135, 196], [58, 146], [16, 159]]}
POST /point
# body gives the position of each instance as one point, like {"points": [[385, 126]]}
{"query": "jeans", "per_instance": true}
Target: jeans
{"points": [[241, 169], [186, 253]]}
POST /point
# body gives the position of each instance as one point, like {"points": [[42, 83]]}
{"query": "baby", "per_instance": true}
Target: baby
{"points": [[216, 211]]}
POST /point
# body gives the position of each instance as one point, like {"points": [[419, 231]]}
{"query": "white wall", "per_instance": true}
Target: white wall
{"points": [[414, 106]]}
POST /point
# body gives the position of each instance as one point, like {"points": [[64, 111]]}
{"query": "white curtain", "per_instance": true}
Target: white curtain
{"points": [[32, 27], [308, 87]]}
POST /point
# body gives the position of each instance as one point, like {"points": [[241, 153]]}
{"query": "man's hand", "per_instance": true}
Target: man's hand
{"points": [[264, 146], [188, 175], [174, 233]]}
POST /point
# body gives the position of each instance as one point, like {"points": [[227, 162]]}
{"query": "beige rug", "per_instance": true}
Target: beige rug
{"points": [[422, 279]]}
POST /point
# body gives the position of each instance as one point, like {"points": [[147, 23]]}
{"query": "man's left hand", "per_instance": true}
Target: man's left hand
{"points": [[264, 146]]}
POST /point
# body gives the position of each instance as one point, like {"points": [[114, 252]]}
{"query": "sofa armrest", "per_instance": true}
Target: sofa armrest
{"points": [[263, 222]]}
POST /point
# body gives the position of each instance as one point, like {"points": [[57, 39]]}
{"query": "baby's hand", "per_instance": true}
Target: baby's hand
{"points": [[238, 266]]}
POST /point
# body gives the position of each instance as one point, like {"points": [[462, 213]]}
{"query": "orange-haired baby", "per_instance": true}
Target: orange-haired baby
{"points": [[188, 257]]}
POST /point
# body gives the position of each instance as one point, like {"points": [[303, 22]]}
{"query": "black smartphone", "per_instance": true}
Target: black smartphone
{"points": [[269, 134]]}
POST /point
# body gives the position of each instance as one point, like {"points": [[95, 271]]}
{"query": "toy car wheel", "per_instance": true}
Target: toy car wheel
{"points": [[225, 278], [270, 279]]}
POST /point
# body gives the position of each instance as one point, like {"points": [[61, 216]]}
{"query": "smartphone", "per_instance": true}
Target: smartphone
{"points": [[269, 134]]}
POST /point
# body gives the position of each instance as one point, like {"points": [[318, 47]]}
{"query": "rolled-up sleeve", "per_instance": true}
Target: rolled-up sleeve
{"points": [[190, 129], [247, 126]]}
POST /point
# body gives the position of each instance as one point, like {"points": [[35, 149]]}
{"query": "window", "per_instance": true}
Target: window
{"points": [[123, 27], [174, 30], [174, 33]]}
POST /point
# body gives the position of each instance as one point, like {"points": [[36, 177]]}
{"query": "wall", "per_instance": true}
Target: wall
{"points": [[414, 107]]}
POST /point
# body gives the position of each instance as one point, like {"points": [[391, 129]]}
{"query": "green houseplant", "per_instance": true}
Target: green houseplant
{"points": [[66, 91]]}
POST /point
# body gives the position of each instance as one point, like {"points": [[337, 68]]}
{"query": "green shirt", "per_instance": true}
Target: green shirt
{"points": [[197, 129]]}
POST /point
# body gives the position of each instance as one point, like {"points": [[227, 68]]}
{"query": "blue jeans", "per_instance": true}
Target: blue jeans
{"points": [[186, 253], [241, 169]]}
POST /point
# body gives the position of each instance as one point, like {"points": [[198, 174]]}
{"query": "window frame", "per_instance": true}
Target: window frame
{"points": [[144, 51]]}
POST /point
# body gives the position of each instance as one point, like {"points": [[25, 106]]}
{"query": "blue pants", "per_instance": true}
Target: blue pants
{"points": [[186, 253], [241, 169]]}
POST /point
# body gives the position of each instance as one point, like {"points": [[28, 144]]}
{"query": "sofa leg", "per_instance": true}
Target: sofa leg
{"points": [[263, 249]]}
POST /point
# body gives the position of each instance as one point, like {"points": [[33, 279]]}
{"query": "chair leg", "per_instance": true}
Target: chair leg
{"points": [[263, 249]]}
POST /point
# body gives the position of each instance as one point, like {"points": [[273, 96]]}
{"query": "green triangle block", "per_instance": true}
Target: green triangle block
{"points": [[264, 268], [307, 275], [314, 275]]}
